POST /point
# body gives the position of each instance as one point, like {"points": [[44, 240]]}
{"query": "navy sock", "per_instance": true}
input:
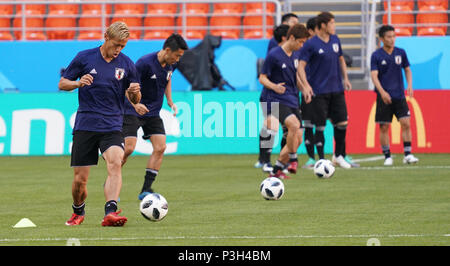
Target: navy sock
{"points": [[78, 210], [110, 206], [309, 142], [150, 176]]}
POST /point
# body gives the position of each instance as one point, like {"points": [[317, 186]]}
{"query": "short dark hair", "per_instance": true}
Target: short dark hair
{"points": [[287, 16], [311, 24], [324, 17], [383, 29], [175, 42], [299, 31], [280, 31]]}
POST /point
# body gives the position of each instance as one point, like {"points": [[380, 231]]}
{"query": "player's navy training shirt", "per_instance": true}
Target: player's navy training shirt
{"points": [[101, 105], [154, 79], [279, 67], [389, 68], [272, 44], [323, 60]]}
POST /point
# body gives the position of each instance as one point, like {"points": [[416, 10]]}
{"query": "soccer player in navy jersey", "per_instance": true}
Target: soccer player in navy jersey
{"points": [[289, 19], [386, 71], [279, 76], [323, 54], [104, 77], [306, 108], [155, 73], [270, 128]]}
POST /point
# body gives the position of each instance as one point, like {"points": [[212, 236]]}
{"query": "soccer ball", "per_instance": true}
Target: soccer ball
{"points": [[154, 207], [324, 168], [272, 188]]}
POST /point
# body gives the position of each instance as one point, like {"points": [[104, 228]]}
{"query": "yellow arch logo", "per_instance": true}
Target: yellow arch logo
{"points": [[395, 126]]}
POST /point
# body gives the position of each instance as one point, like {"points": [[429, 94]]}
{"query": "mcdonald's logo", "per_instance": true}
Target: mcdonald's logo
{"points": [[395, 126]]}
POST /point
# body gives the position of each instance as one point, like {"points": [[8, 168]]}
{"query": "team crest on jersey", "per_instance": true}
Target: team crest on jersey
{"points": [[120, 72], [398, 59], [296, 63], [169, 75], [335, 47]]}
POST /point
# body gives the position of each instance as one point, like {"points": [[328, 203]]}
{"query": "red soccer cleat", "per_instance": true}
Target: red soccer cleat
{"points": [[279, 174], [292, 168], [75, 219], [113, 219]]}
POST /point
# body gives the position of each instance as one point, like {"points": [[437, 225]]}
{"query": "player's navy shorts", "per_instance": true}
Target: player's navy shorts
{"points": [[329, 105], [285, 111], [151, 125], [87, 143], [307, 113], [385, 112]]}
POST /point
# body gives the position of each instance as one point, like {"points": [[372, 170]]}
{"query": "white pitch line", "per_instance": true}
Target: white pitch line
{"points": [[371, 159], [406, 167], [221, 237]]}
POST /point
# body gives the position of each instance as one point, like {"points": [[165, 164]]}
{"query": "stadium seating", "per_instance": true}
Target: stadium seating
{"points": [[36, 8], [397, 19], [432, 18], [436, 3], [34, 26], [6, 9], [162, 8], [90, 19], [229, 8], [132, 20], [129, 8], [407, 5], [89, 7], [253, 27], [258, 8], [158, 21], [196, 26], [68, 8], [5, 34], [58, 24], [225, 24], [194, 8]]}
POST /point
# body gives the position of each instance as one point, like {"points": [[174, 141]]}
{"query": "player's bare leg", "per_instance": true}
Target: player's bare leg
{"points": [[405, 123], [130, 145], [79, 194]]}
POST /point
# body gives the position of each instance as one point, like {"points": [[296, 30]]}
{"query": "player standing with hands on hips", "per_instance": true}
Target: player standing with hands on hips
{"points": [[386, 66], [155, 72], [104, 77]]}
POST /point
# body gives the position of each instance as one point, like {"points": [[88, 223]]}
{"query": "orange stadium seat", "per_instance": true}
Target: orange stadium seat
{"points": [[258, 8], [5, 34], [89, 7], [398, 5], [158, 21], [131, 7], [132, 20], [257, 32], [226, 26], [229, 7], [58, 24], [202, 8], [69, 8], [6, 9], [162, 8], [196, 26], [34, 26], [93, 21], [37, 8], [436, 3], [397, 19], [432, 18]]}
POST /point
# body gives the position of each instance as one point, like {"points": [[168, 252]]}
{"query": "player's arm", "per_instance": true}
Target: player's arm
{"points": [[302, 81], [69, 85], [347, 84], [133, 93], [384, 95], [168, 94], [278, 88], [408, 75]]}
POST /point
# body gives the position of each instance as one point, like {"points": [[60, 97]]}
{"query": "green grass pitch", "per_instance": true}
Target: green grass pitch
{"points": [[215, 200]]}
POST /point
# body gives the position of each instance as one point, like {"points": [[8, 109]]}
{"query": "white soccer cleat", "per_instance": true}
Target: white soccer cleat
{"points": [[267, 167], [410, 159], [340, 160], [388, 161]]}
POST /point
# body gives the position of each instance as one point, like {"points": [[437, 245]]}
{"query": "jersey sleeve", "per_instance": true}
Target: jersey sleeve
{"points": [[341, 53], [306, 52], [133, 76], [268, 65], [405, 61], [75, 69], [373, 62]]}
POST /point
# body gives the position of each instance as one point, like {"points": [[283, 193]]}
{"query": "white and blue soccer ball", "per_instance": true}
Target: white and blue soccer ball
{"points": [[324, 168], [154, 207], [272, 188]]}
